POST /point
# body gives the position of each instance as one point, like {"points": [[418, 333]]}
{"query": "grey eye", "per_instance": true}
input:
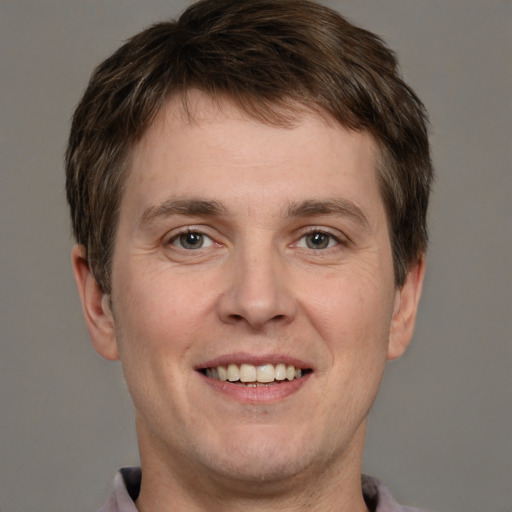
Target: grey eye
{"points": [[192, 240], [319, 240]]}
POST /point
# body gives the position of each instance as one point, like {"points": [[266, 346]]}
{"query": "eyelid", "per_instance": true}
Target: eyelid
{"points": [[339, 237], [205, 239], [175, 234]]}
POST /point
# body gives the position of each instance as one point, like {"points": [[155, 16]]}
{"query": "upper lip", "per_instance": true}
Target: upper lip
{"points": [[253, 359]]}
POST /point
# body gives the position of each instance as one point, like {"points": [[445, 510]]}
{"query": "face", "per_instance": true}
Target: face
{"points": [[248, 252]]}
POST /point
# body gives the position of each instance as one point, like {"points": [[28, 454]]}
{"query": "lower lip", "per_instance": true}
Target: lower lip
{"points": [[259, 394]]}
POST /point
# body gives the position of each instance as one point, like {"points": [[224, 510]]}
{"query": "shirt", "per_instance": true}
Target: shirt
{"points": [[127, 488]]}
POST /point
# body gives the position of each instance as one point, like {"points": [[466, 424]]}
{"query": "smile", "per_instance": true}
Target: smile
{"points": [[250, 375]]}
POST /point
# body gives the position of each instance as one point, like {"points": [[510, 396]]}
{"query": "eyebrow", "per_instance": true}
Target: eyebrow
{"points": [[182, 207], [203, 207], [338, 207]]}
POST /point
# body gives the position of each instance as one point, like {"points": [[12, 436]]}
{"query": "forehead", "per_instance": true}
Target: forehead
{"points": [[193, 108], [196, 145], [200, 119]]}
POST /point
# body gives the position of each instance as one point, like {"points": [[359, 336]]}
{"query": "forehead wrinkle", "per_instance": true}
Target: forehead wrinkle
{"points": [[190, 207], [338, 207]]}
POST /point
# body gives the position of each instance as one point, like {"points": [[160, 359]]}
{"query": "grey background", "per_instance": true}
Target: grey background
{"points": [[440, 433]]}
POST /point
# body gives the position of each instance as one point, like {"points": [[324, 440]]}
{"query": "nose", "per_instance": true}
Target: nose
{"points": [[258, 292]]}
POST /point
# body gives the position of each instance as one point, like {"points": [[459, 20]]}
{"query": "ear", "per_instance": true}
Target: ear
{"points": [[96, 306], [406, 306]]}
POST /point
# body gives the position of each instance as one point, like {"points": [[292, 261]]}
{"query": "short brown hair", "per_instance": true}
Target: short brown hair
{"points": [[272, 58]]}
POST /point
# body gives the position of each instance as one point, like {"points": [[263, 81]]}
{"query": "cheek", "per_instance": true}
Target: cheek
{"points": [[353, 317], [158, 299], [351, 305], [156, 327], [163, 319]]}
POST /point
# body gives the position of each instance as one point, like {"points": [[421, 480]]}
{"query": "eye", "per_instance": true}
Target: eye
{"points": [[191, 240], [318, 240]]}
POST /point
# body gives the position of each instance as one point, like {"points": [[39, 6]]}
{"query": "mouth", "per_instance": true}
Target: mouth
{"points": [[255, 376]]}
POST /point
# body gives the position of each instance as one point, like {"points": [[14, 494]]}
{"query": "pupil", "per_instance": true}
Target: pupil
{"points": [[318, 241], [191, 240]]}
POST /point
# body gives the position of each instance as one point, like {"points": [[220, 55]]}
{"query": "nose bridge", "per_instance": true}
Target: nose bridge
{"points": [[257, 291]]}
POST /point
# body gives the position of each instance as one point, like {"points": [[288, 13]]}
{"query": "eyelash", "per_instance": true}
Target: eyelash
{"points": [[190, 231], [322, 232], [209, 241]]}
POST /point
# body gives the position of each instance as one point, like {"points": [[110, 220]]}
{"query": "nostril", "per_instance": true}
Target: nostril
{"points": [[237, 317]]}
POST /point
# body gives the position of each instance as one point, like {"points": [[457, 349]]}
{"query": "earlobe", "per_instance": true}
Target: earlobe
{"points": [[95, 305], [406, 306]]}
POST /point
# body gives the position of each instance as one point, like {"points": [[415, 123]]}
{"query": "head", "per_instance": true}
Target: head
{"points": [[248, 187], [275, 60]]}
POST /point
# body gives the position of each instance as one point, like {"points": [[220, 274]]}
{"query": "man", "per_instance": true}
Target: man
{"points": [[248, 189]]}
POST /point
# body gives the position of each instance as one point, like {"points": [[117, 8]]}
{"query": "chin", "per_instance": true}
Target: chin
{"points": [[260, 470], [262, 458]]}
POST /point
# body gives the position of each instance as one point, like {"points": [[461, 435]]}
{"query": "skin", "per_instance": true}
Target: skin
{"points": [[257, 289]]}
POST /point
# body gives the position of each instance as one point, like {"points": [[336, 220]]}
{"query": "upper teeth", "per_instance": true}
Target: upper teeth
{"points": [[249, 373]]}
